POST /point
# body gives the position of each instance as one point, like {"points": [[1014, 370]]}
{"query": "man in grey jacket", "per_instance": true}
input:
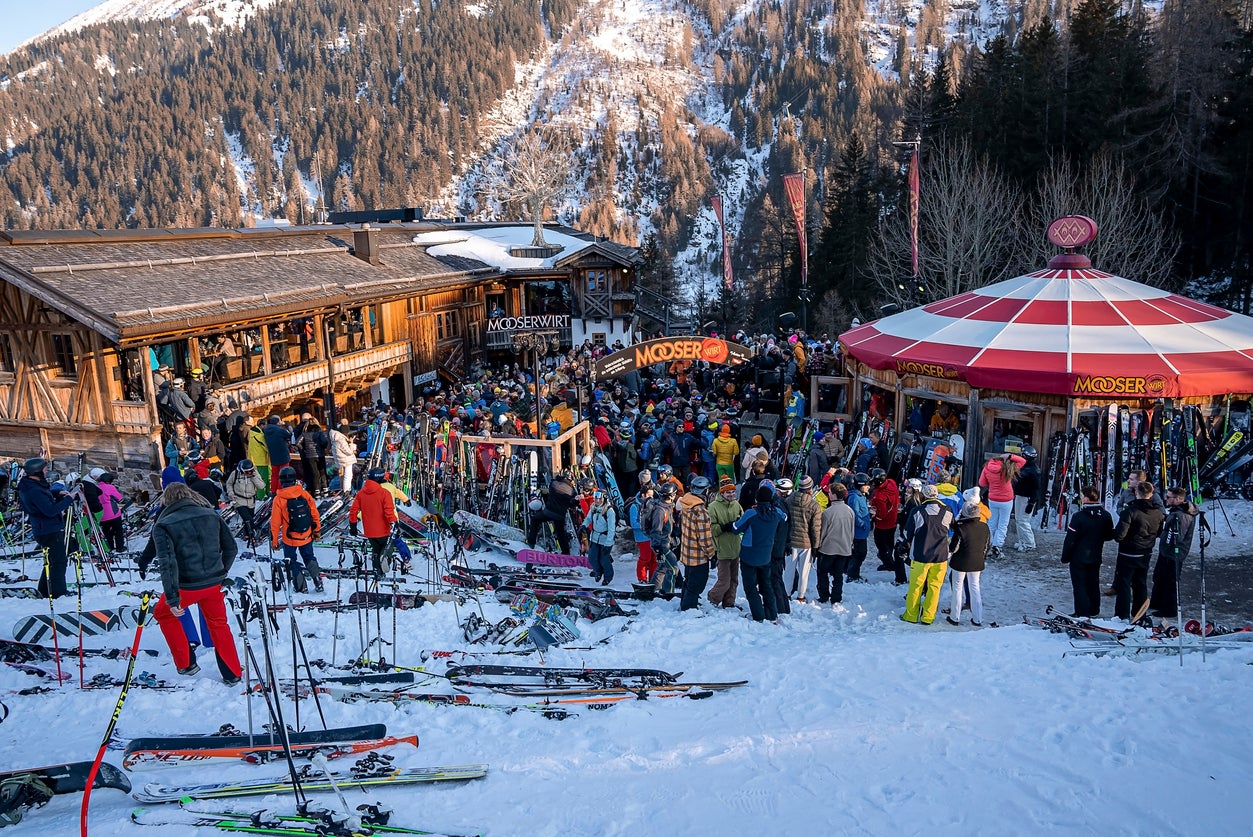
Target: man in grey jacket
{"points": [[195, 551], [836, 547]]}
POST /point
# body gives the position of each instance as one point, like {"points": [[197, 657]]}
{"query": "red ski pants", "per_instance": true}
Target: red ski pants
{"points": [[214, 609]]}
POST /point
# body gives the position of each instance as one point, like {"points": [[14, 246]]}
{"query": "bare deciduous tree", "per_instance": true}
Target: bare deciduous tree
{"points": [[1134, 241], [967, 235], [536, 174]]}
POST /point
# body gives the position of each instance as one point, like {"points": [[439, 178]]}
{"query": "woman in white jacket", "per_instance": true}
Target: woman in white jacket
{"points": [[344, 452]]}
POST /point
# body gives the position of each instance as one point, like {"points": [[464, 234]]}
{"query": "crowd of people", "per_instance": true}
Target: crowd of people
{"points": [[703, 495]]}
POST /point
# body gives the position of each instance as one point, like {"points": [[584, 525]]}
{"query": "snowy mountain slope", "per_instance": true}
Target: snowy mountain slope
{"points": [[227, 12]]}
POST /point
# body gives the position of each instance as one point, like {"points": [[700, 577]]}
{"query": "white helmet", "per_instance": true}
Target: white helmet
{"points": [[96, 473], [71, 478]]}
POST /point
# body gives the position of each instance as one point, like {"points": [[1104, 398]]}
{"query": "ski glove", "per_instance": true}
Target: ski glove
{"points": [[352, 530]]}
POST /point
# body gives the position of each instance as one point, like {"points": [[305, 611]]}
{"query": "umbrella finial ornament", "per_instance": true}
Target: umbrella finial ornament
{"points": [[1069, 232]]}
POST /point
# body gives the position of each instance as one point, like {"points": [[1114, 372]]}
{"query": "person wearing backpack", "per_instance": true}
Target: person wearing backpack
{"points": [[294, 523]]}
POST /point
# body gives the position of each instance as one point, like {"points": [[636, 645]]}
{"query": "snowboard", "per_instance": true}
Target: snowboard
{"points": [[39, 627], [72, 777], [552, 559], [490, 528]]}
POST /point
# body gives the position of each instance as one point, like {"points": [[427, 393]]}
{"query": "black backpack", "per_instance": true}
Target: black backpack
{"points": [[299, 518]]}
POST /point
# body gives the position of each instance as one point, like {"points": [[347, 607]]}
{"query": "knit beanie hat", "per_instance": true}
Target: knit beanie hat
{"points": [[758, 440], [169, 475], [930, 492], [725, 431], [969, 510]]}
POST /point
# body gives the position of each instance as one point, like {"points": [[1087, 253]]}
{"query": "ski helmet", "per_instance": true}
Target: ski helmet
{"points": [[784, 486], [246, 466], [535, 504], [35, 465], [700, 485], [1029, 452], [666, 470], [287, 476], [877, 475], [860, 479], [376, 474], [669, 490]]}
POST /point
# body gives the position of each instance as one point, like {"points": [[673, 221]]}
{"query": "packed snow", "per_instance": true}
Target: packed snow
{"points": [[852, 721]]}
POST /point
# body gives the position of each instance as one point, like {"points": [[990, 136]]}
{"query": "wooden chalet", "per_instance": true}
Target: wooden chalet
{"points": [[282, 320]]}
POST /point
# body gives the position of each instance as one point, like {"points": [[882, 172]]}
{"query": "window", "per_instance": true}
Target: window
{"points": [[597, 282], [6, 354], [131, 369], [63, 355], [598, 338], [446, 325]]}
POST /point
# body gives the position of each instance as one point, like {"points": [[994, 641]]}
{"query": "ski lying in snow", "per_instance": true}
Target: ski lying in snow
{"points": [[1193, 626], [147, 749], [624, 689], [376, 774], [1074, 628], [259, 753], [265, 822], [398, 697], [473, 675]]}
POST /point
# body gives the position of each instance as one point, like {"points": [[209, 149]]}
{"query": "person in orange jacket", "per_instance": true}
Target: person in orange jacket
{"points": [[375, 508], [294, 523]]}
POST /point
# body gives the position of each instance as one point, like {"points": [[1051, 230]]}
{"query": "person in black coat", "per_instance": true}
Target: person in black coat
{"points": [[277, 445], [561, 498], [1026, 499], [313, 443], [968, 552], [194, 553], [45, 512], [1090, 528], [205, 488], [1136, 533], [1176, 543]]}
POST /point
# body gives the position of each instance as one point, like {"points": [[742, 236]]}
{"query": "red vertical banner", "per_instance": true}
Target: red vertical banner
{"points": [[914, 193], [794, 186], [727, 278]]}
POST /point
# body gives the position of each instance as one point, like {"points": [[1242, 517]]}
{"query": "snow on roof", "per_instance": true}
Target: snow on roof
{"points": [[490, 245]]}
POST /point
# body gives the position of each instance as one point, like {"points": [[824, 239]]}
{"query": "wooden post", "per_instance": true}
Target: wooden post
{"points": [[150, 398], [972, 456]]}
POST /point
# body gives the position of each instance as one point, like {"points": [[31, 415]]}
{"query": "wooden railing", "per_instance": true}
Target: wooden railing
{"points": [[300, 380]]}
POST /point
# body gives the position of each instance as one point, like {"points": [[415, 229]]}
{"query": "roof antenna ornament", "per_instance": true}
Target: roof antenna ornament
{"points": [[1069, 232]]}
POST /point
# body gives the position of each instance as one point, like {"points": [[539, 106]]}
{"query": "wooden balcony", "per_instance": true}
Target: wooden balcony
{"points": [[504, 339], [351, 371]]}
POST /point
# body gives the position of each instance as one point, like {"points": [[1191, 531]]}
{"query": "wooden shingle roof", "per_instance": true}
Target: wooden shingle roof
{"points": [[127, 283]]}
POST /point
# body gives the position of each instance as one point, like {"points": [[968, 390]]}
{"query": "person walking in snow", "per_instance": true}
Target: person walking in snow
{"points": [[294, 524], [836, 547], [997, 481], [194, 554]]}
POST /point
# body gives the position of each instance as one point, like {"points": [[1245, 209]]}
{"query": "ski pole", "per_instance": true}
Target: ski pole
{"points": [[276, 706], [353, 821], [117, 712], [1204, 542], [52, 614], [78, 573], [299, 643], [339, 580]]}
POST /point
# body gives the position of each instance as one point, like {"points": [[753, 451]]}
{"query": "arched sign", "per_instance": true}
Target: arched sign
{"points": [[667, 349]]}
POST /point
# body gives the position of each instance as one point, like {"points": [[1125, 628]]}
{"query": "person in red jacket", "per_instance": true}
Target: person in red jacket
{"points": [[374, 508], [294, 523], [885, 504]]}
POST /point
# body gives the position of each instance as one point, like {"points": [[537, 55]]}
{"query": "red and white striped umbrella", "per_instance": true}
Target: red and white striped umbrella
{"points": [[1067, 330]]}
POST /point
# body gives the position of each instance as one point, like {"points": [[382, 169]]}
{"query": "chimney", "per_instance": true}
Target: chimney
{"points": [[365, 245]]}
